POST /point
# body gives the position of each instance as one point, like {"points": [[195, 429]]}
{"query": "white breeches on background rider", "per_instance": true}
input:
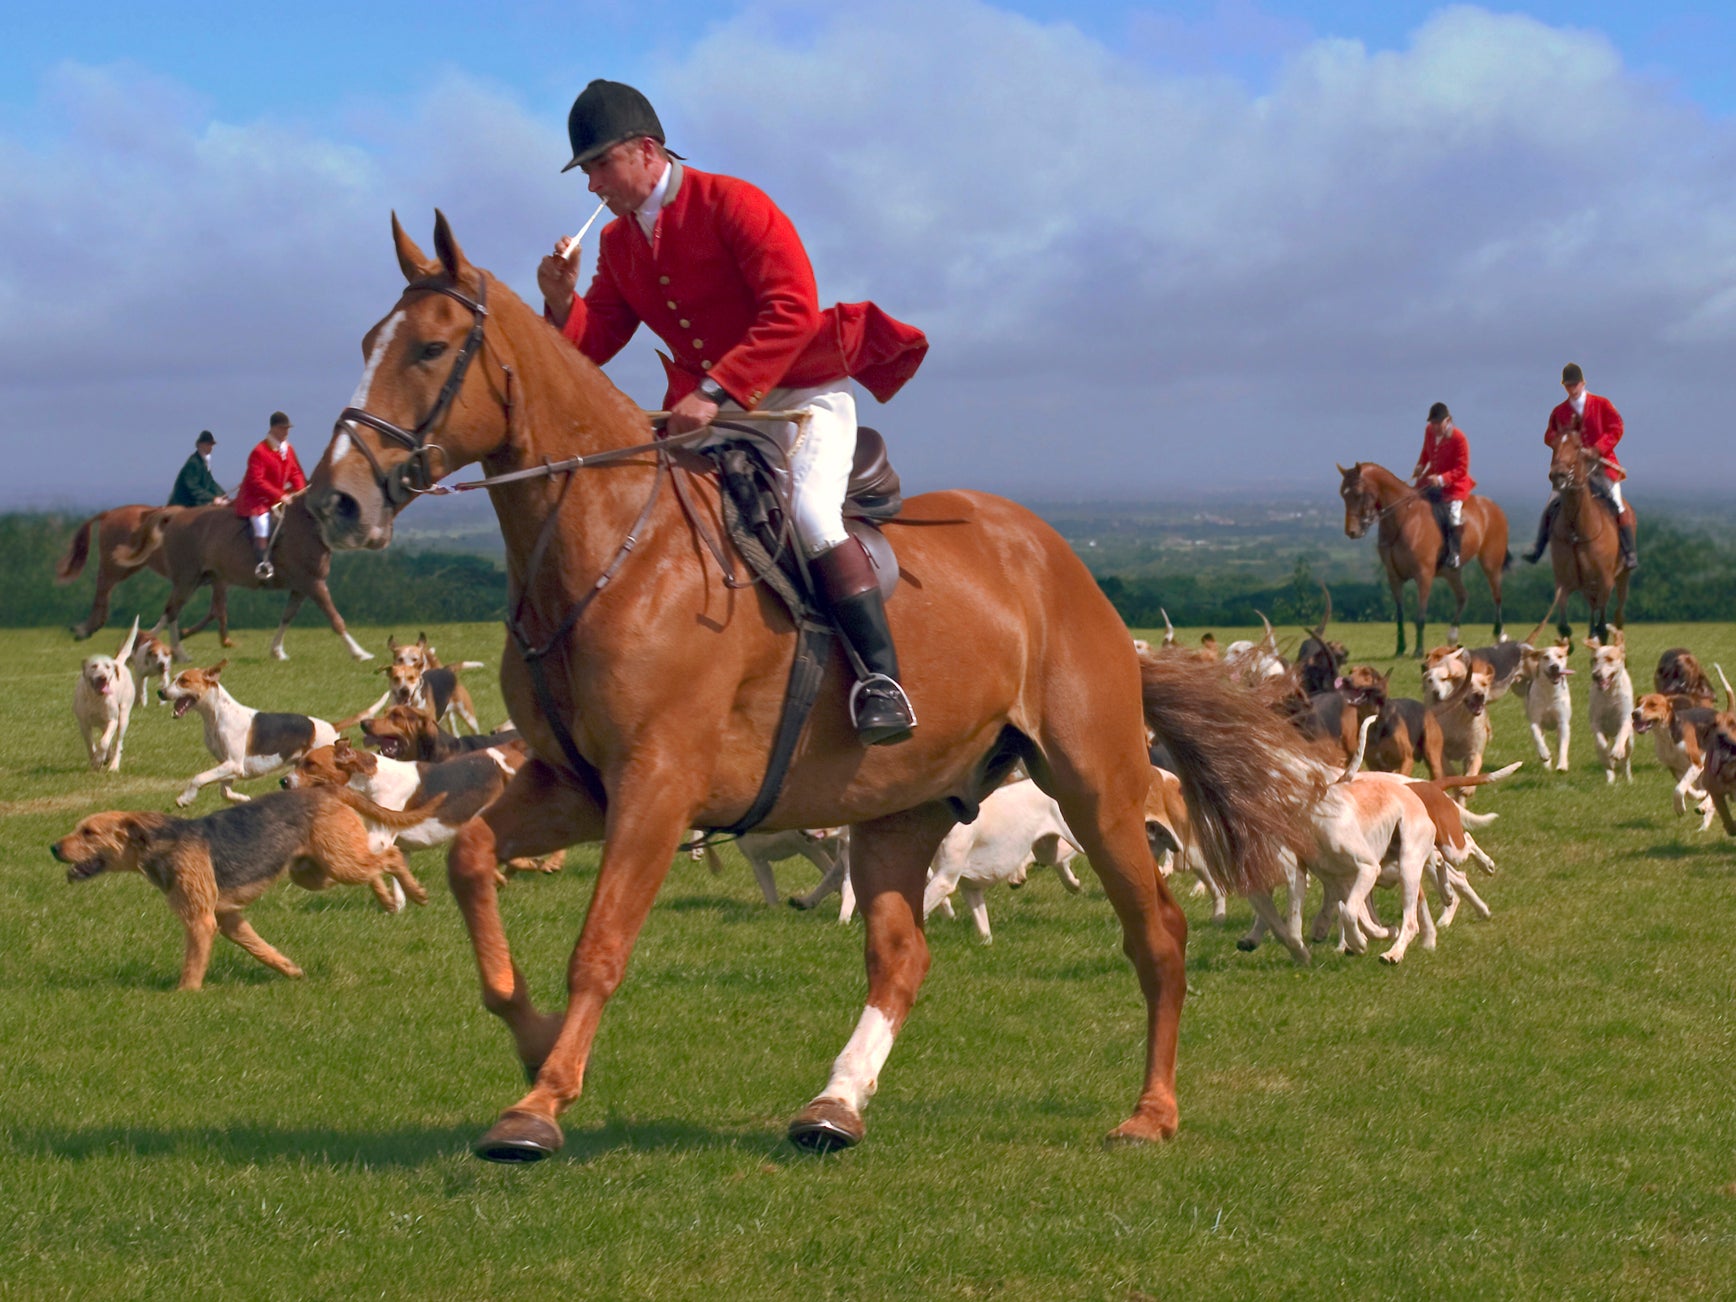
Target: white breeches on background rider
{"points": [[260, 524], [818, 453]]}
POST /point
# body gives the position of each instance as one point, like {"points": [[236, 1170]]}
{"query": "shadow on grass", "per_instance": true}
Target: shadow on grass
{"points": [[252, 1145], [164, 975], [1721, 850]]}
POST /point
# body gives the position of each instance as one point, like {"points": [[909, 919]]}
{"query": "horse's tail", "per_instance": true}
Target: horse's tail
{"points": [[145, 540], [72, 564], [1242, 768]]}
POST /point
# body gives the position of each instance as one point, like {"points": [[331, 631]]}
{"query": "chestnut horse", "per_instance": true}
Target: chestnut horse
{"points": [[666, 685], [1584, 544], [114, 528], [1409, 541], [201, 544]]}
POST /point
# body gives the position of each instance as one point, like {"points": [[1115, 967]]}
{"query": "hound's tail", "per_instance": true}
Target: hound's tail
{"points": [[396, 819], [72, 564], [145, 540], [1242, 767]]}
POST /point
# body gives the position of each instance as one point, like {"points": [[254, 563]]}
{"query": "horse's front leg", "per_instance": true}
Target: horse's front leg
{"points": [[649, 814], [322, 598], [889, 861], [1396, 586], [538, 812], [290, 607], [1456, 582], [1425, 582]]}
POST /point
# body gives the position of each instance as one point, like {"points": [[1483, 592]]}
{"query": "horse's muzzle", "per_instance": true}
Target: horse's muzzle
{"points": [[341, 524]]}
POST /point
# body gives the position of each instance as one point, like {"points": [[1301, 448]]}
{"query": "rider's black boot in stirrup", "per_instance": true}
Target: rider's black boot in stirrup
{"points": [[851, 590]]}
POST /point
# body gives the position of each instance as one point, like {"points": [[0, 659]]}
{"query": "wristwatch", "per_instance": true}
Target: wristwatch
{"points": [[712, 392]]}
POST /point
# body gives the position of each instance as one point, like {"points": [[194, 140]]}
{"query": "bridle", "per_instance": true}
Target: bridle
{"points": [[415, 474]]}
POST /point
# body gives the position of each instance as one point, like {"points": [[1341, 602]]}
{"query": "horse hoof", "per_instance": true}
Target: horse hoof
{"points": [[827, 1125], [519, 1137], [1138, 1131], [1247, 946]]}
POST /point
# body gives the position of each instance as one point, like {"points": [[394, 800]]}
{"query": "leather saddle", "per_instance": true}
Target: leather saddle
{"points": [[752, 472]]}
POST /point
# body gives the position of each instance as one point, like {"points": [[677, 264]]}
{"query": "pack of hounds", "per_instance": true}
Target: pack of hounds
{"points": [[343, 810]]}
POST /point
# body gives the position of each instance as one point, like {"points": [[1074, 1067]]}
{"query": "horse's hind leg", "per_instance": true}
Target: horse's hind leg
{"points": [[1396, 586], [889, 860]]}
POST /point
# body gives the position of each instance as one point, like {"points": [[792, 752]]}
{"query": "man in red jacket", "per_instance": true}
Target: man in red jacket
{"points": [[273, 473], [1443, 475], [1600, 427], [719, 274]]}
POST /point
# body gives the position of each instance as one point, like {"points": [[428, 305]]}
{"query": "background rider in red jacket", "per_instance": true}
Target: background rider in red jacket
{"points": [[1443, 475], [719, 274], [1600, 427], [273, 473]]}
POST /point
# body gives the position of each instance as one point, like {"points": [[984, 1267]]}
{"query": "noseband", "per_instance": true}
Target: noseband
{"points": [[415, 473]]}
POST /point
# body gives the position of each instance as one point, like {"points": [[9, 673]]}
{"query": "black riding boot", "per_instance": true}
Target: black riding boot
{"points": [[1630, 558], [878, 706], [1450, 552], [262, 559], [1542, 543]]}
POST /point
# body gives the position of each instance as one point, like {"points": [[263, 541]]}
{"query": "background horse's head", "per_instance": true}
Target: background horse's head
{"points": [[430, 398], [1361, 501], [1571, 463]]}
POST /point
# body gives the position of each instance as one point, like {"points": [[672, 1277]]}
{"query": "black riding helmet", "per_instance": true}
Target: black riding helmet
{"points": [[605, 114]]}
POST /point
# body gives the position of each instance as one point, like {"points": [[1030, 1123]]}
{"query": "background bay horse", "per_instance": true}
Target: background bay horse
{"points": [[115, 529], [1584, 546], [199, 544], [1409, 541], [667, 685]]}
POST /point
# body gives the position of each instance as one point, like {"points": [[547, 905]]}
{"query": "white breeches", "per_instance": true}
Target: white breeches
{"points": [[1615, 494], [260, 524], [1456, 513], [819, 457]]}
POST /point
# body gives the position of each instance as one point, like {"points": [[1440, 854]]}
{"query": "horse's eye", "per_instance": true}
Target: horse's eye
{"points": [[432, 350]]}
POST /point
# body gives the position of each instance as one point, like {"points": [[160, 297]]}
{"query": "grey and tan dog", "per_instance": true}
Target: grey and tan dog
{"points": [[212, 868]]}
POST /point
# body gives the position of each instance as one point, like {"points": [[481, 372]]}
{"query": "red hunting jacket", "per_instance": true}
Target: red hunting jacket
{"points": [[1450, 458], [726, 285], [1600, 427], [269, 478]]}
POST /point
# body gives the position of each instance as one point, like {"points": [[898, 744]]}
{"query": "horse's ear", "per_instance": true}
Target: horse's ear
{"points": [[411, 260], [1341, 470], [452, 259]]}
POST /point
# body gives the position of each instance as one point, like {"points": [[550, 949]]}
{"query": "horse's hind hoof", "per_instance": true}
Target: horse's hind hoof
{"points": [[827, 1125], [519, 1137]]}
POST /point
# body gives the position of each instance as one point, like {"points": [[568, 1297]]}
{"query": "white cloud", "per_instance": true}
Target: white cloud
{"points": [[1134, 278]]}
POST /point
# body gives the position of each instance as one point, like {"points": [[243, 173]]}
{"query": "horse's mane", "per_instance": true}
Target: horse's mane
{"points": [[607, 416]]}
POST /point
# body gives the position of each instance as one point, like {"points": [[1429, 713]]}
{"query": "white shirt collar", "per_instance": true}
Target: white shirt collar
{"points": [[1578, 403], [653, 205]]}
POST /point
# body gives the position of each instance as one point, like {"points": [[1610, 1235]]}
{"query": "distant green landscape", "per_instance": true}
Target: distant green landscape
{"points": [[1209, 563]]}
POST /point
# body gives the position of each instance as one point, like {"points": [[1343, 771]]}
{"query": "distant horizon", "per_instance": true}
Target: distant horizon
{"points": [[1151, 244]]}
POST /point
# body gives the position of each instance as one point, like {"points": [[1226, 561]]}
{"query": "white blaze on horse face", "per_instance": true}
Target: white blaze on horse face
{"points": [[359, 399], [856, 1072]]}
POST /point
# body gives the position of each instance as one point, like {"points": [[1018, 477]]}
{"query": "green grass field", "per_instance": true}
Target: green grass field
{"points": [[1542, 1107]]}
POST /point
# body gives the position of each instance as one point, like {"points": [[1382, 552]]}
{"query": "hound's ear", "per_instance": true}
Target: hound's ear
{"points": [[1592, 644], [452, 259], [218, 668], [392, 642], [411, 260], [385, 669], [1620, 639]]}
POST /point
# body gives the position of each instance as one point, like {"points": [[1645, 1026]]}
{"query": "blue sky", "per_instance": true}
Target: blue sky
{"points": [[1154, 245]]}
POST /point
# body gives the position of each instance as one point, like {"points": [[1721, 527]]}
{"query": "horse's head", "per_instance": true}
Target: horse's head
{"points": [[428, 402], [1571, 463], [1361, 501]]}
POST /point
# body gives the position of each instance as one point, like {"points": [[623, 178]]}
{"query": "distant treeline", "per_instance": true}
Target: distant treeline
{"points": [[1685, 576], [389, 587]]}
